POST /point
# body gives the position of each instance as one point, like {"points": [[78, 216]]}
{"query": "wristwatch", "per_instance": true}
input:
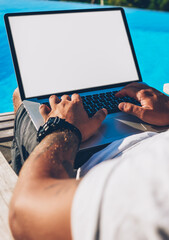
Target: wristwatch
{"points": [[54, 124]]}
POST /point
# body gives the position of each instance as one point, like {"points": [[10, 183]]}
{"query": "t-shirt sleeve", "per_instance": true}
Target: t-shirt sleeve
{"points": [[127, 197]]}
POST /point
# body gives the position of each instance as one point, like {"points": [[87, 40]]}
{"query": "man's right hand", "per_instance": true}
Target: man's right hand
{"points": [[154, 107]]}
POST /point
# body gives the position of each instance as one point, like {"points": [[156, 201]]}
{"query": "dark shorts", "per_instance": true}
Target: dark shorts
{"points": [[24, 138], [25, 141]]}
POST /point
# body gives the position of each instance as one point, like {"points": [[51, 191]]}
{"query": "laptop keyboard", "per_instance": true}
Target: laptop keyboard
{"points": [[92, 103]]}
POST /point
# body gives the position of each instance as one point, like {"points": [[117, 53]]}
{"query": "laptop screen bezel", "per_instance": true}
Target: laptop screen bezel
{"points": [[15, 61]]}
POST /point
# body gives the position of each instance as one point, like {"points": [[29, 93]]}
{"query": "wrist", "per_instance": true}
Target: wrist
{"points": [[56, 124], [63, 137], [60, 149]]}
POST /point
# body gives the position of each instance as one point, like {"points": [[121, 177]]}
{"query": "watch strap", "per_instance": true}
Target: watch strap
{"points": [[54, 124]]}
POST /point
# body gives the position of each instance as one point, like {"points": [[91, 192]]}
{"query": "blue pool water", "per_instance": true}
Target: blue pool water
{"points": [[149, 30]]}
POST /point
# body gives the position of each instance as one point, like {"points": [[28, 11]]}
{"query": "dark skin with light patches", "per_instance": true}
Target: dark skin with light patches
{"points": [[41, 204]]}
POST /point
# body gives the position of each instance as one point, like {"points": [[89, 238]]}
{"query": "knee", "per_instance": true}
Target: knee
{"points": [[16, 100], [16, 94]]}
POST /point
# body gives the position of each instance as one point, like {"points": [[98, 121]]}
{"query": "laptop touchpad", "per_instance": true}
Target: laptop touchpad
{"points": [[121, 124]]}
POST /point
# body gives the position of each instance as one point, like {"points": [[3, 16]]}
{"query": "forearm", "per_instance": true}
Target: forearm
{"points": [[53, 157], [44, 189]]}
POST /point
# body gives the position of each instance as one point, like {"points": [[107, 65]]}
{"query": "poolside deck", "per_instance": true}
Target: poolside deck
{"points": [[7, 176], [7, 183], [6, 134]]}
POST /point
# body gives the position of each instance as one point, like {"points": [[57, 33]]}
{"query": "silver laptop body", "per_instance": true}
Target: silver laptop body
{"points": [[83, 51]]}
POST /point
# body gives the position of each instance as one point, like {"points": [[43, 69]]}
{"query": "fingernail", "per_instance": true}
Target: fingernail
{"points": [[122, 106], [41, 106], [105, 111]]}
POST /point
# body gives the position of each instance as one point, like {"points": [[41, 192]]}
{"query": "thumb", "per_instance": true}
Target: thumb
{"points": [[93, 124], [44, 111], [131, 109], [98, 118]]}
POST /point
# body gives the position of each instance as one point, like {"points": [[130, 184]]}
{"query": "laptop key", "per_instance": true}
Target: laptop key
{"points": [[92, 103]]}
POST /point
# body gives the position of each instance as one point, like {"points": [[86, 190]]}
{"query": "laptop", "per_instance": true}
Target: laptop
{"points": [[86, 51]]}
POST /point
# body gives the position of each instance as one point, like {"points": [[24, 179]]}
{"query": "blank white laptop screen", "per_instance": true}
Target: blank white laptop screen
{"points": [[71, 51]]}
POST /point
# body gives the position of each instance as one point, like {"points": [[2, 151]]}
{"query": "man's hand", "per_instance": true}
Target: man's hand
{"points": [[154, 107], [71, 109]]}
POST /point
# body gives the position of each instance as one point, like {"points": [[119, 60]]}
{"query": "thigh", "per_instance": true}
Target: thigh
{"points": [[24, 138]]}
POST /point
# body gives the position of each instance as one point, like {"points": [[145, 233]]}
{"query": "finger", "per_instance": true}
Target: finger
{"points": [[132, 109], [44, 111], [98, 118], [131, 92], [65, 97], [76, 97], [146, 94], [53, 100]]}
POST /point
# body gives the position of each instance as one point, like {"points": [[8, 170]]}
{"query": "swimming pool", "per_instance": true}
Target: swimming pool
{"points": [[149, 30]]}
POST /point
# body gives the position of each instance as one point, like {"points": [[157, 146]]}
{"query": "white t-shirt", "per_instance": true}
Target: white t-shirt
{"points": [[126, 197]]}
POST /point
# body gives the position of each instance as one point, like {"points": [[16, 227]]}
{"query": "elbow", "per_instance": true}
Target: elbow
{"points": [[16, 213]]}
